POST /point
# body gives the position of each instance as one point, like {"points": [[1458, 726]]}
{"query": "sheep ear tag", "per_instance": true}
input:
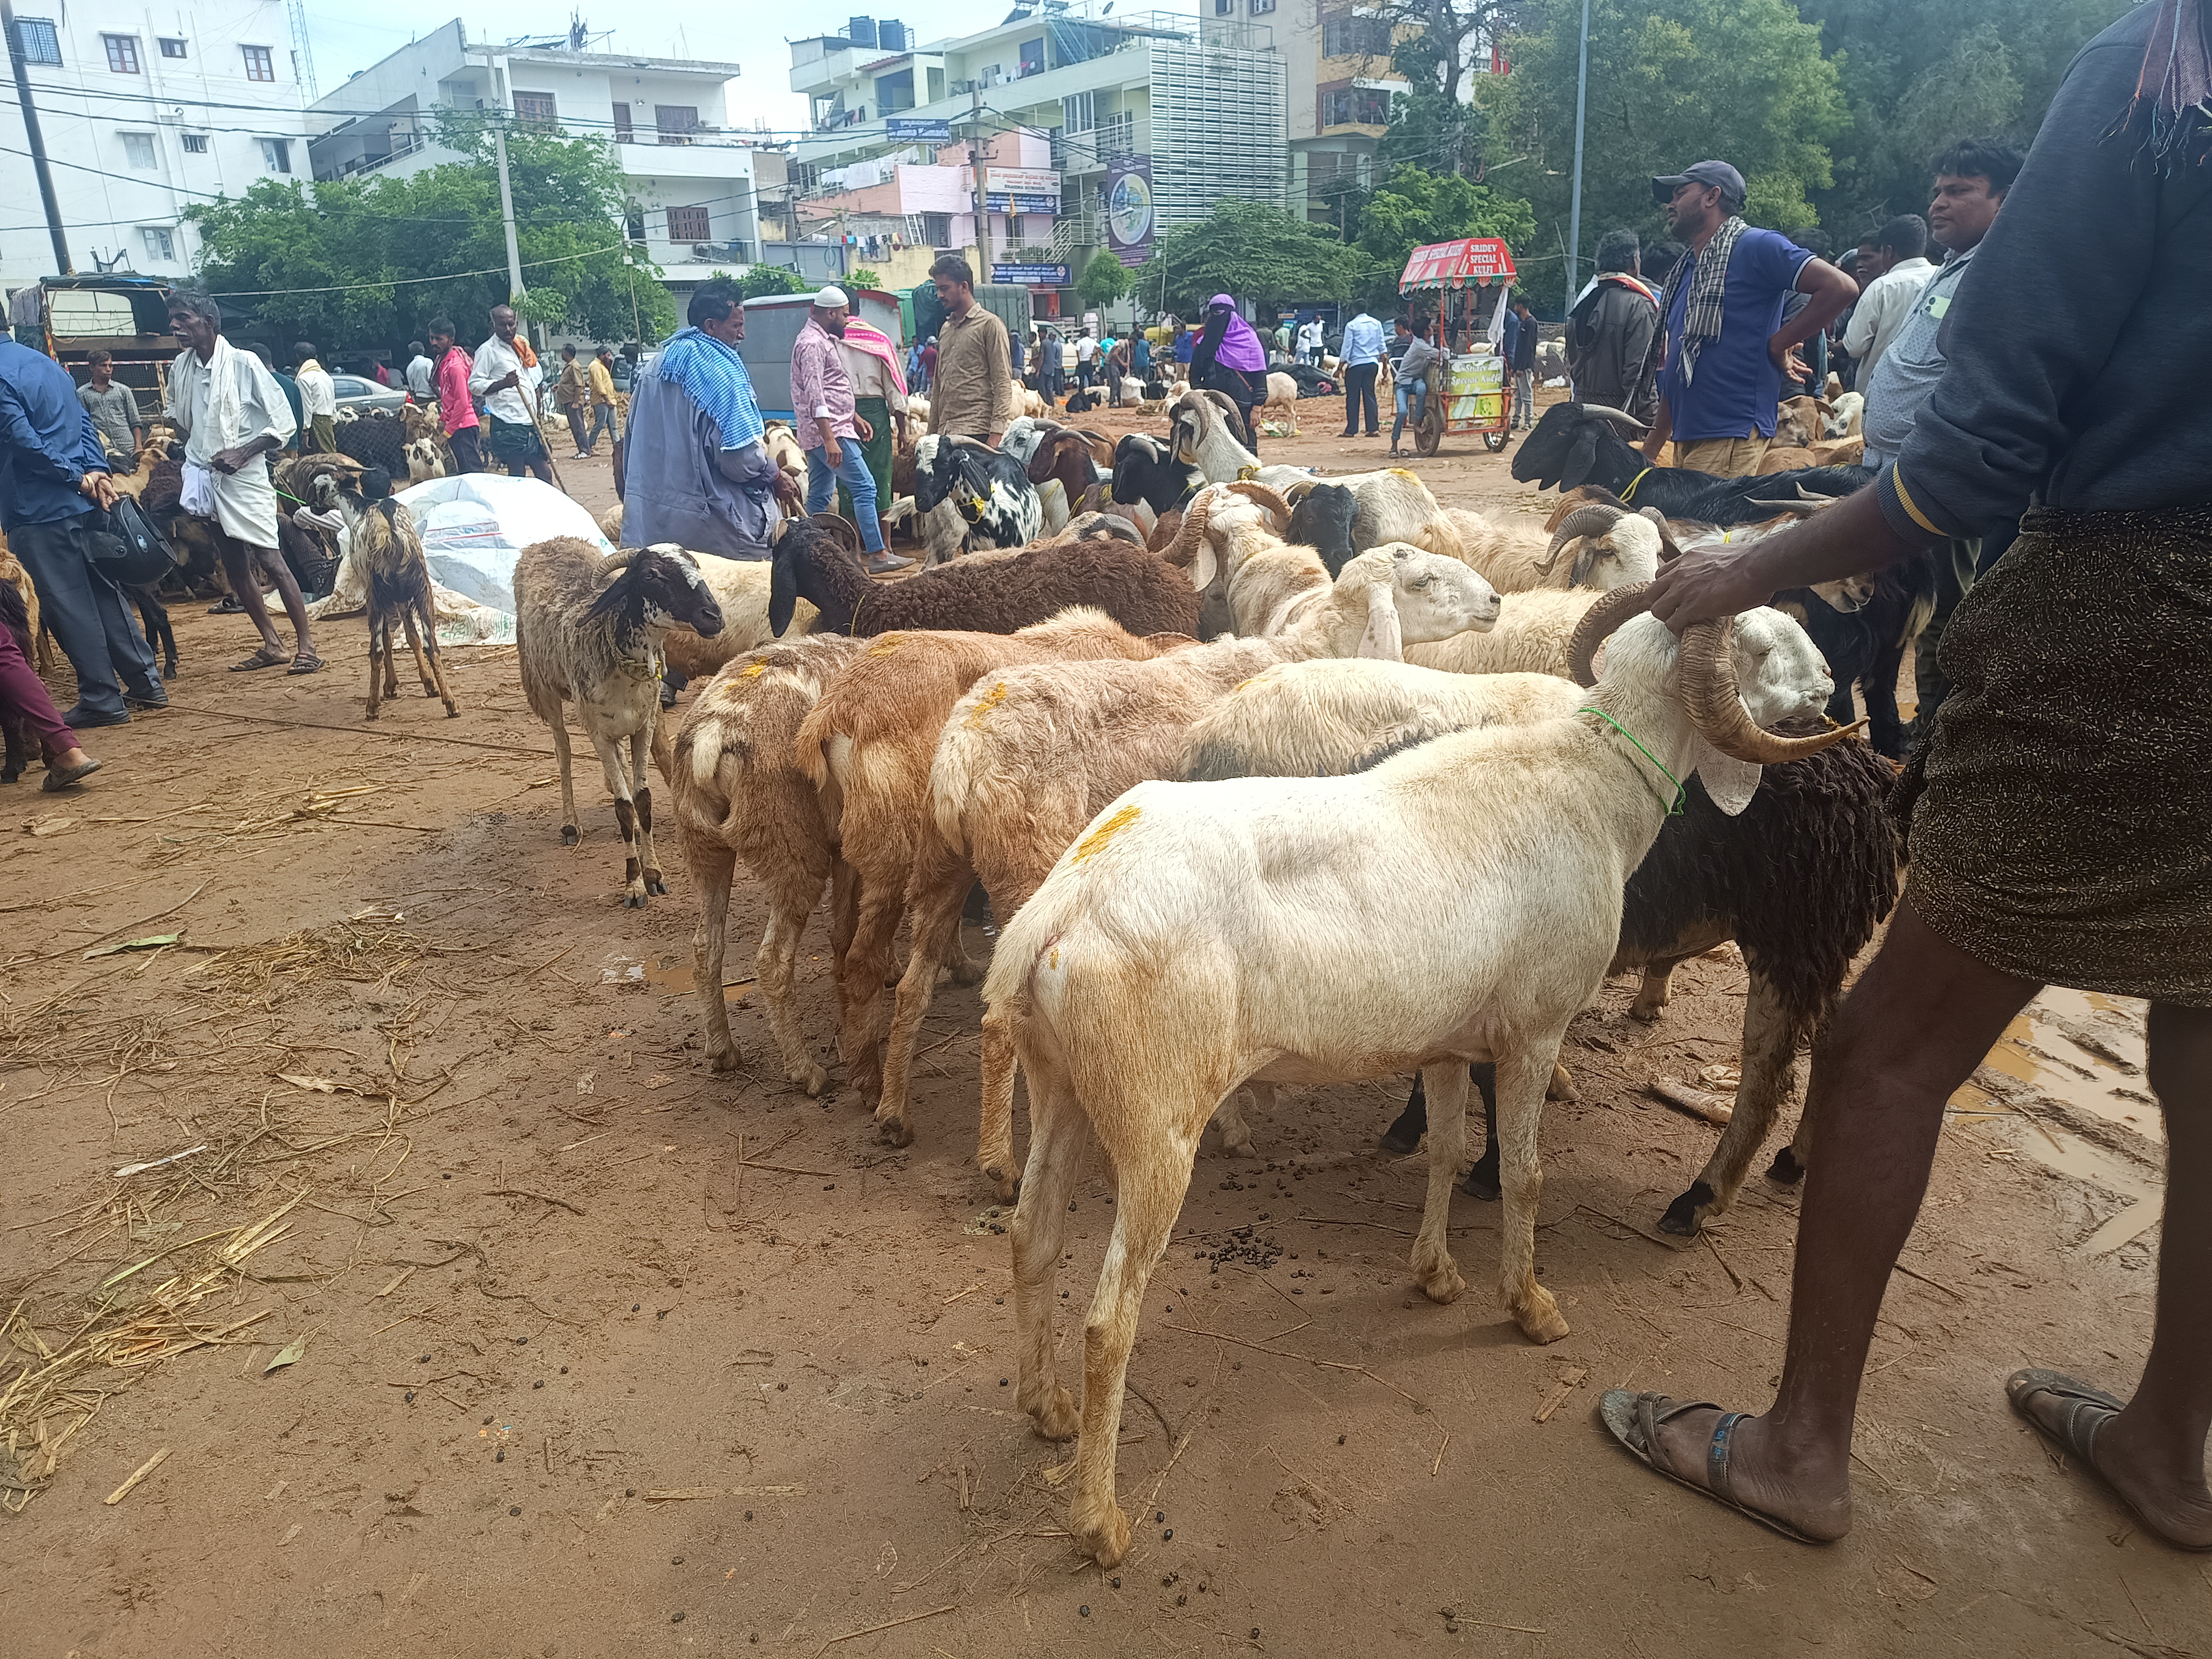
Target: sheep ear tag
{"points": [[1244, 474]]}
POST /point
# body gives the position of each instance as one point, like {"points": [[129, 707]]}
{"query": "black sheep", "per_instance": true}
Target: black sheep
{"points": [[1800, 880], [1322, 520], [1137, 588]]}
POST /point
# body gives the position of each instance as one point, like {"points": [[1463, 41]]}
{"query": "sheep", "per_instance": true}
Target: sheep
{"points": [[1531, 636], [973, 496], [14, 575], [1217, 534], [588, 630], [1135, 587], [1613, 548], [740, 587], [388, 549], [1149, 472], [1282, 401], [787, 452], [1201, 435], [1459, 902], [610, 524], [1844, 416], [739, 793], [425, 459], [422, 421], [1323, 520], [1801, 880], [1022, 764], [866, 748]]}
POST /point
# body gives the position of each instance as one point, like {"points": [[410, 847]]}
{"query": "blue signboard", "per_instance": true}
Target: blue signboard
{"points": [[1021, 203], [1031, 275], [897, 128]]}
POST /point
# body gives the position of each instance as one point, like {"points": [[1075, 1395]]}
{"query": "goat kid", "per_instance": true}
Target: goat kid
{"points": [[588, 630], [387, 550]]}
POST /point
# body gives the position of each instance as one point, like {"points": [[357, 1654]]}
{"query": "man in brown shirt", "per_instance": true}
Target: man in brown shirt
{"points": [[973, 395]]}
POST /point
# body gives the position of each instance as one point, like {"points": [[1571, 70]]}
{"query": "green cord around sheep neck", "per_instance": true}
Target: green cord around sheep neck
{"points": [[1674, 810]]}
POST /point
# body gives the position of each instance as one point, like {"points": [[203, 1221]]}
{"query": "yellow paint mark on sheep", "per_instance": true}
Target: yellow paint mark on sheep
{"points": [[985, 704], [1105, 832], [1401, 472], [1054, 962], [753, 672], [884, 646], [1241, 685]]}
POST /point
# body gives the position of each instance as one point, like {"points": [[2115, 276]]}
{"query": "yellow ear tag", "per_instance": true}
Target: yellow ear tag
{"points": [[1246, 474]]}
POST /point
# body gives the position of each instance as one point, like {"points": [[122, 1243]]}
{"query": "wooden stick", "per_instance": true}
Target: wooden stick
{"points": [[785, 1169], [542, 1198], [1560, 1390], [138, 1474], [892, 1624], [1900, 1267], [176, 707], [1332, 1365]]}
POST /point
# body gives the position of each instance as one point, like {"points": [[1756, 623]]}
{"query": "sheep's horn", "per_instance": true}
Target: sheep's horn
{"points": [[1300, 489], [1715, 703], [1616, 418], [1267, 498], [1590, 519], [1581, 495], [1804, 508], [1183, 550], [1669, 548], [1611, 610]]}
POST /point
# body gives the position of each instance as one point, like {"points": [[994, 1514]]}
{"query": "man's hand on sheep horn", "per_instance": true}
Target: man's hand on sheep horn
{"points": [[1849, 538]]}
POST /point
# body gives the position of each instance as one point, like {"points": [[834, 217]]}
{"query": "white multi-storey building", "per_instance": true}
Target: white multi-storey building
{"points": [[690, 180], [146, 111]]}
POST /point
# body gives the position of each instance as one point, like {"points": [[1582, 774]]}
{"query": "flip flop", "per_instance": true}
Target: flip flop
{"points": [[1634, 1419], [59, 778], [306, 663], [269, 656], [2085, 1411]]}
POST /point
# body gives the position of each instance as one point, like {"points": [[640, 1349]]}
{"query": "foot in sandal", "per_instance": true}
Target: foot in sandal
{"points": [[306, 662], [269, 656], [1730, 1457], [2093, 1427]]}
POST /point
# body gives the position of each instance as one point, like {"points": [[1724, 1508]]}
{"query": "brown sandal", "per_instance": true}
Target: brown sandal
{"points": [[269, 656], [306, 663]]}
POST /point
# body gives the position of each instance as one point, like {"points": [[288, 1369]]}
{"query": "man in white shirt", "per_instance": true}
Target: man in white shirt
{"points": [[231, 414], [506, 376], [1309, 341], [1886, 302], [318, 402], [1087, 359], [421, 373]]}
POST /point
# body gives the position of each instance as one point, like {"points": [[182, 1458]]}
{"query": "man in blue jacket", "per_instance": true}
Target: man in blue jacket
{"points": [[53, 474]]}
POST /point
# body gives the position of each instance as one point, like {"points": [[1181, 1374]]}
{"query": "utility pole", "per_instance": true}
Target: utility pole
{"points": [[1575, 206], [975, 161], [506, 205], [31, 130]]}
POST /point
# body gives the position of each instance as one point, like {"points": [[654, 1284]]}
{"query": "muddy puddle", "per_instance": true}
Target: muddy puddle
{"points": [[2085, 1052], [670, 976]]}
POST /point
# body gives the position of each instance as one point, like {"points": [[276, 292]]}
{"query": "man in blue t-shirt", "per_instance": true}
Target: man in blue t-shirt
{"points": [[1728, 344]]}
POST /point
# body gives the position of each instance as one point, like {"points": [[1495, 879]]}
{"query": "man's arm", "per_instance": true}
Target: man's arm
{"points": [[31, 457], [1826, 291], [1641, 321], [1849, 538], [1859, 333], [1001, 373], [1662, 428]]}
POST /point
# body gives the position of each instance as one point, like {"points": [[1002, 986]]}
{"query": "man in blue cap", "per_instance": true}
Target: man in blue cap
{"points": [[1728, 344]]}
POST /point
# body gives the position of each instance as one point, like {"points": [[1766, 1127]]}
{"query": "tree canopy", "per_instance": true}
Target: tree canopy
{"points": [[1252, 250], [1416, 207], [1104, 280], [359, 261]]}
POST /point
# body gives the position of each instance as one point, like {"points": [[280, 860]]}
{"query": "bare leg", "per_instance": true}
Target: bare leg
{"points": [[1910, 1031], [288, 589], [862, 989], [238, 565]]}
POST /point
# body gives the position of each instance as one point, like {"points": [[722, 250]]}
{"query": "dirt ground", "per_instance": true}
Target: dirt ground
{"points": [[481, 1319]]}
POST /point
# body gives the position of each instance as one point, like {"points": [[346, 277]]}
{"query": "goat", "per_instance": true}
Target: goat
{"points": [[1844, 416], [1068, 459], [1460, 901], [1801, 880], [1323, 520], [975, 490], [1575, 444], [384, 545], [1022, 766], [375, 439], [425, 459], [588, 630], [1150, 473], [1133, 586], [422, 421], [865, 747]]}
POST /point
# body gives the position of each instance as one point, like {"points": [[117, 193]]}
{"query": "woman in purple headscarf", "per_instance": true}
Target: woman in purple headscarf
{"points": [[1231, 360]]}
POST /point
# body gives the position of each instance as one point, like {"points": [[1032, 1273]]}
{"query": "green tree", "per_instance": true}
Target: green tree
{"points": [[763, 280], [366, 262], [1252, 250], [1416, 207], [865, 276], [1671, 82], [1104, 280]]}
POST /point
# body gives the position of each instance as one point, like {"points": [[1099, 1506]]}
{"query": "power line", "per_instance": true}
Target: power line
{"points": [[409, 282]]}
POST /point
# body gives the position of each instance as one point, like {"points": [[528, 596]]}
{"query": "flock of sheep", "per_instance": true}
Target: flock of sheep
{"points": [[1271, 779]]}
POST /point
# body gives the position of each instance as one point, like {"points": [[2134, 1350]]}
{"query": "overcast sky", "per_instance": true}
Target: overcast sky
{"points": [[750, 34]]}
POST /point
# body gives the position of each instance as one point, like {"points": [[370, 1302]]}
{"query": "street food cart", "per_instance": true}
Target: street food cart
{"points": [[1471, 278]]}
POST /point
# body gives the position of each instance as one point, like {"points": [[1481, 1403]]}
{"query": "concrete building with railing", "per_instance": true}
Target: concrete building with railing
{"points": [[690, 179], [145, 113], [1055, 95], [1341, 82]]}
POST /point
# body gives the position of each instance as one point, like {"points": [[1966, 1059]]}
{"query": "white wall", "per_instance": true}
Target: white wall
{"points": [[85, 108]]}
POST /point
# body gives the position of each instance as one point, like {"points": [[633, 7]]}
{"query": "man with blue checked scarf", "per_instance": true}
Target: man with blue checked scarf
{"points": [[694, 469]]}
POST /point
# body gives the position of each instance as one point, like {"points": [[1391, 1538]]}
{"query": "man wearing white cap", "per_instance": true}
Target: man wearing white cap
{"points": [[822, 403]]}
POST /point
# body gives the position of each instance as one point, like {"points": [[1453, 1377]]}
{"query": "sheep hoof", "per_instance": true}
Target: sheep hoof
{"points": [[1003, 1191], [722, 1060], [656, 884], [1685, 1216], [895, 1131], [1539, 1318], [634, 899], [1438, 1273], [1786, 1169], [811, 1080], [169, 671], [370, 715], [1561, 1087], [451, 713], [1481, 1181], [1241, 1147], [568, 835], [1056, 1418], [1106, 1536], [1647, 1008]]}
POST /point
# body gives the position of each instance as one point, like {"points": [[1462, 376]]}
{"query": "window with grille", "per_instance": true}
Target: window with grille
{"points": [[688, 224], [535, 109], [1261, 8], [622, 133], [259, 65], [122, 52], [138, 149], [173, 47], [196, 143], [1075, 114], [1355, 37], [160, 243], [40, 41], [276, 154], [675, 124]]}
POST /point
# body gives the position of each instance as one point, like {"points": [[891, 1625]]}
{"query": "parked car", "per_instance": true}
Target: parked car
{"points": [[362, 395]]}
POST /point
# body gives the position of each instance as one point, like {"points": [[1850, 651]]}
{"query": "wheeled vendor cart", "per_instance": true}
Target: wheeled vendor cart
{"points": [[1471, 278]]}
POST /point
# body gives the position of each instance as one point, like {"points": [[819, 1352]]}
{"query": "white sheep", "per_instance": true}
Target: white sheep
{"points": [[1459, 902], [740, 587], [1532, 636], [1030, 753], [1611, 547]]}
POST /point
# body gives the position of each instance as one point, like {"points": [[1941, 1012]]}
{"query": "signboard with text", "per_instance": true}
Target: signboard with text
{"points": [[1128, 200], [900, 130], [1021, 181], [1031, 275]]}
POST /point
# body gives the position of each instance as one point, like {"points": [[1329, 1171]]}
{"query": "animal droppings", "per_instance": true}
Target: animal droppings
{"points": [[515, 1509]]}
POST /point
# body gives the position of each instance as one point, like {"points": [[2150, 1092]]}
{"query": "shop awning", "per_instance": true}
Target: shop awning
{"points": [[1480, 260]]}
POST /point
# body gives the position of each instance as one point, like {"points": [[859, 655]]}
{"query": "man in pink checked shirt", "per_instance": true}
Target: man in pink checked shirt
{"points": [[457, 410], [821, 403]]}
